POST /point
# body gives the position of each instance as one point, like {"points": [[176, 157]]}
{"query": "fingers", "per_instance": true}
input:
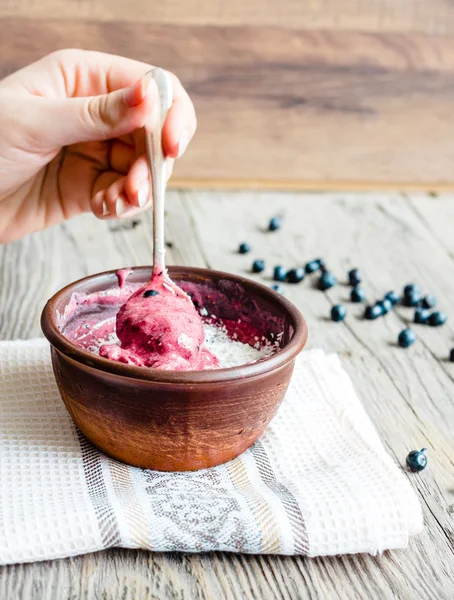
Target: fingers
{"points": [[110, 200], [137, 184], [96, 118], [111, 92], [116, 195], [83, 96], [88, 73], [180, 124], [113, 198], [121, 113], [121, 157], [98, 203], [115, 201]]}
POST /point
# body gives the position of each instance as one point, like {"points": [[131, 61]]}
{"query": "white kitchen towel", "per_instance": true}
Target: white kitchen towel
{"points": [[318, 482]]}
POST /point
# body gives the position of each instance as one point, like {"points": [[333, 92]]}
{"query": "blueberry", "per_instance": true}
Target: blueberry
{"points": [[373, 312], [451, 355], [258, 266], [406, 338], [429, 301], [437, 318], [412, 288], [354, 277], [417, 460], [280, 273], [421, 316], [357, 294], [393, 297], [411, 299], [274, 224], [244, 248], [338, 312], [326, 281], [295, 275], [277, 288], [385, 305], [313, 265], [149, 293]]}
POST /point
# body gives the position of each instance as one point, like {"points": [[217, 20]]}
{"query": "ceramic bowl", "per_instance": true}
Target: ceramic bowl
{"points": [[177, 420]]}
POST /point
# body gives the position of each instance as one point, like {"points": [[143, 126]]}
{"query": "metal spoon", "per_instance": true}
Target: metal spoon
{"points": [[157, 163]]}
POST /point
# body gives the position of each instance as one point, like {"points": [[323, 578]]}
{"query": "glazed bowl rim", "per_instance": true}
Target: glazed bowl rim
{"points": [[87, 358]]}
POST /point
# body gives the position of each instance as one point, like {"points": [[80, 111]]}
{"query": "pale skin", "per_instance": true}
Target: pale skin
{"points": [[72, 141]]}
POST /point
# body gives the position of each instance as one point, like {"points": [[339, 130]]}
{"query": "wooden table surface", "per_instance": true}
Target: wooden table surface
{"points": [[409, 394], [301, 93]]}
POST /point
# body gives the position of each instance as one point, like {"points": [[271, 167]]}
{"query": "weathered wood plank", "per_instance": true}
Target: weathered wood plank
{"points": [[436, 16], [280, 107], [406, 393], [437, 217]]}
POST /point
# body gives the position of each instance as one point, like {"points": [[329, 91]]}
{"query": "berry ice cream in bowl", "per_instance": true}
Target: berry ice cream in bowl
{"points": [[180, 392], [171, 369]]}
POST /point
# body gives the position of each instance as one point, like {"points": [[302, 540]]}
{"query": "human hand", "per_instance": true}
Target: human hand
{"points": [[72, 139]]}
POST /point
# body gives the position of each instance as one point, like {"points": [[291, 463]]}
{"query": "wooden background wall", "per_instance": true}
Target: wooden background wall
{"points": [[289, 93]]}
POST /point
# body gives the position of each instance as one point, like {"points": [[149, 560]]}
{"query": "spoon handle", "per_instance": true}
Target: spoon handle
{"points": [[157, 163]]}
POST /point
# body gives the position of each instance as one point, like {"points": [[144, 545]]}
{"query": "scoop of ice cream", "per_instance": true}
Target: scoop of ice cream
{"points": [[159, 327]]}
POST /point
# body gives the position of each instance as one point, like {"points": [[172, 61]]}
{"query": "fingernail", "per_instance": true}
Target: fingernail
{"points": [[143, 194], [183, 143], [105, 210], [146, 80], [136, 92], [121, 206]]}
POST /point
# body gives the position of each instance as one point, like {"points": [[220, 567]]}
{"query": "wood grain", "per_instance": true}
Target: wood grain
{"points": [[279, 107], [394, 239], [436, 16]]}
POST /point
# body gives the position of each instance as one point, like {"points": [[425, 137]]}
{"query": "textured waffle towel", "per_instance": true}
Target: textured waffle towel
{"points": [[318, 482]]}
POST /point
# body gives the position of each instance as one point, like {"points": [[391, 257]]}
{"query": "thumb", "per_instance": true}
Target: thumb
{"points": [[97, 118]]}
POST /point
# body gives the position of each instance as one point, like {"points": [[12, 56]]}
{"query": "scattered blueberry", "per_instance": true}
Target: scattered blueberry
{"points": [[274, 224], [437, 318], [326, 281], [451, 355], [338, 312], [417, 460], [244, 248], [421, 316], [386, 305], [411, 299], [354, 277], [373, 312], [412, 288], [406, 338], [429, 301], [277, 288], [313, 265], [149, 293], [280, 273], [295, 275], [357, 294], [258, 266], [393, 297]]}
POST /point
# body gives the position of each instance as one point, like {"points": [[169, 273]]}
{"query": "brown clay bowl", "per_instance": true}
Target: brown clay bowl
{"points": [[177, 420]]}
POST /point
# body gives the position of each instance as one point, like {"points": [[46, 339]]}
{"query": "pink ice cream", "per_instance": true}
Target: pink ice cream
{"points": [[159, 327]]}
